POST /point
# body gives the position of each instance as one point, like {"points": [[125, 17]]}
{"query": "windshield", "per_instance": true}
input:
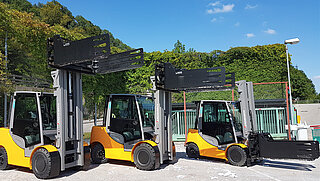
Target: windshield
{"points": [[236, 116], [146, 105], [48, 112]]}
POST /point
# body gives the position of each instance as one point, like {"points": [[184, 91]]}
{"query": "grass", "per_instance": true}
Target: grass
{"points": [[86, 135]]}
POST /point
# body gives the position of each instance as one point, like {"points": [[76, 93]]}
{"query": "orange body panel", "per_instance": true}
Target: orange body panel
{"points": [[113, 149]]}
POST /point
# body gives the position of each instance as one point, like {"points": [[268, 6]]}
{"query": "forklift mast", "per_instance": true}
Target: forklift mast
{"points": [[261, 144], [72, 58], [163, 124], [247, 107]]}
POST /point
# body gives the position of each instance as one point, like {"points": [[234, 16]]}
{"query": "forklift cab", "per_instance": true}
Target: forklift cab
{"points": [[30, 139], [217, 133], [215, 122], [127, 133], [129, 118], [33, 120]]}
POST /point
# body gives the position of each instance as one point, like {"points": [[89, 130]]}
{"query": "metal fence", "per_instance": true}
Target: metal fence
{"points": [[272, 120], [178, 124]]}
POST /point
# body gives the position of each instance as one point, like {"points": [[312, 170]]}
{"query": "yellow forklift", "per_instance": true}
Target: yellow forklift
{"points": [[128, 132], [218, 133], [30, 139], [45, 130]]}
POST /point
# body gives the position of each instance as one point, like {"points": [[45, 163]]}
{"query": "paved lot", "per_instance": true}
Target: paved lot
{"points": [[186, 169], [87, 125]]}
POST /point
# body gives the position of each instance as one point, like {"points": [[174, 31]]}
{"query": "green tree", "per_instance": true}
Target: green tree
{"points": [[302, 87], [20, 5], [53, 13], [28, 26], [179, 47]]}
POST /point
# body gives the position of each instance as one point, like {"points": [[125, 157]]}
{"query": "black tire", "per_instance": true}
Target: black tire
{"points": [[98, 154], [144, 157], [237, 156], [45, 165], [192, 150], [3, 159]]}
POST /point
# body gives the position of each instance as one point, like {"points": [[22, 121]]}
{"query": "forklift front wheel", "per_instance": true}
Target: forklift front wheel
{"points": [[144, 157], [45, 165], [98, 154], [237, 156], [3, 159], [192, 150]]}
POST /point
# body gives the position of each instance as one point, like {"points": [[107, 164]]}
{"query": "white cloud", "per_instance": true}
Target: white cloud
{"points": [[214, 4], [210, 11], [270, 31], [237, 24], [250, 35], [317, 77], [213, 20], [224, 9], [250, 6]]}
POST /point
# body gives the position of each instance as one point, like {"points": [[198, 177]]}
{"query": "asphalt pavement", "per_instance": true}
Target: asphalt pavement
{"points": [[185, 169]]}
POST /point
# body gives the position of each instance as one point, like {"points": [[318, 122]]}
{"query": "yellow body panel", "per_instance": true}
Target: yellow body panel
{"points": [[207, 149], [50, 148], [113, 149], [16, 153]]}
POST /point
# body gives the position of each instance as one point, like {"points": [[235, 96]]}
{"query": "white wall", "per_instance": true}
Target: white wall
{"points": [[310, 114]]}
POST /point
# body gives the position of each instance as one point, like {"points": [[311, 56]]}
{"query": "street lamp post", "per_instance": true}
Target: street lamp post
{"points": [[286, 42]]}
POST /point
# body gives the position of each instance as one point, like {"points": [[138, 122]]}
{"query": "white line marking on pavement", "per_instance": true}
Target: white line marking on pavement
{"points": [[264, 174]]}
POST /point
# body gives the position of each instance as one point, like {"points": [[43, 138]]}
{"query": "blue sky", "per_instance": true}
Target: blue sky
{"points": [[207, 25]]}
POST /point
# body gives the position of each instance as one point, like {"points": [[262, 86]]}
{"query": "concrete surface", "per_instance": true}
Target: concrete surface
{"points": [[186, 169], [87, 125]]}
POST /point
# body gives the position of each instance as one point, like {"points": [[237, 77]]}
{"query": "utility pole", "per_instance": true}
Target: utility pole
{"points": [[95, 114], [5, 95]]}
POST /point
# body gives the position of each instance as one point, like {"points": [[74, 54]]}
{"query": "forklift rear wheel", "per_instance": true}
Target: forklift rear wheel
{"points": [[98, 154], [43, 165], [237, 156], [3, 159], [144, 157], [192, 150]]}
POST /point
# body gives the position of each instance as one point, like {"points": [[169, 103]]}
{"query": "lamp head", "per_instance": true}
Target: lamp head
{"points": [[292, 41]]}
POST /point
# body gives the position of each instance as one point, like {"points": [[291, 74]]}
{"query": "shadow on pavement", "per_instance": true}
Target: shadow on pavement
{"points": [[183, 155], [121, 162], [265, 163], [73, 170], [286, 165]]}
